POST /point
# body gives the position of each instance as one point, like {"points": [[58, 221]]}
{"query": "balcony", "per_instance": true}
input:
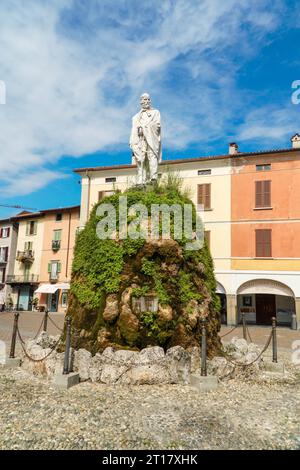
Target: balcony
{"points": [[22, 279], [55, 245], [53, 277], [3, 260], [25, 256]]}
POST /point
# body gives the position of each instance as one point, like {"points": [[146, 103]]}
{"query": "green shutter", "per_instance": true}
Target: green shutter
{"points": [[49, 267], [58, 267], [27, 228]]}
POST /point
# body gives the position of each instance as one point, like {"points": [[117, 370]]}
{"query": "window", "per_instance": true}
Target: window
{"points": [[2, 275], [263, 241], [265, 167], [204, 195], [207, 237], [204, 172], [262, 194], [31, 227], [4, 254], [112, 179], [5, 232], [64, 298], [247, 301], [28, 246], [54, 268], [57, 235], [58, 217], [103, 194]]}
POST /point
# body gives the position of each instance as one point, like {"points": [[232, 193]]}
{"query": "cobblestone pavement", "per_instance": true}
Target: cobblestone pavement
{"points": [[241, 414], [238, 415]]}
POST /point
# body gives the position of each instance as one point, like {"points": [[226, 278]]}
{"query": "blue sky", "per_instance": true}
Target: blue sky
{"points": [[74, 70]]}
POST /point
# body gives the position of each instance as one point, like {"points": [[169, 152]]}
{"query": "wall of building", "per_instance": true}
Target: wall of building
{"points": [[283, 218], [68, 225], [37, 245]]}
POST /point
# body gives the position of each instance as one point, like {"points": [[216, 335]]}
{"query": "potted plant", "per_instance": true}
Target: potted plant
{"points": [[35, 303]]}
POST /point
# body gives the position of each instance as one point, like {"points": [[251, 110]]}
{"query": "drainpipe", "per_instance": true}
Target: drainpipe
{"points": [[68, 247], [89, 195]]}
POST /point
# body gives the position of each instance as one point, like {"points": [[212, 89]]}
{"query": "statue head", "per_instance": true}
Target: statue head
{"points": [[145, 101]]}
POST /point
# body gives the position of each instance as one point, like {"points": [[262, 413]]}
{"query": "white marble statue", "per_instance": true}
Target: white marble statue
{"points": [[145, 141]]}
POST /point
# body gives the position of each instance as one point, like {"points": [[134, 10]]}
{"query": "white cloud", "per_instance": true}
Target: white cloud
{"points": [[74, 71], [270, 124]]}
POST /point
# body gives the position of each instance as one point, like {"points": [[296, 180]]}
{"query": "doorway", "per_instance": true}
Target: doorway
{"points": [[52, 302], [265, 308]]}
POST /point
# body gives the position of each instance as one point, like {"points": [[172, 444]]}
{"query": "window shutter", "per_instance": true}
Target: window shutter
{"points": [[58, 267], [8, 232], [100, 195], [6, 253], [263, 243], [207, 237], [1, 233], [267, 193], [263, 193], [49, 267], [27, 228], [207, 196], [35, 228], [204, 195], [199, 196], [258, 194]]}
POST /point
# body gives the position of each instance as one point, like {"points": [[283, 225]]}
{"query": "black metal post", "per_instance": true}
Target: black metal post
{"points": [[45, 320], [274, 339], [203, 348], [14, 336], [66, 368], [244, 327]]}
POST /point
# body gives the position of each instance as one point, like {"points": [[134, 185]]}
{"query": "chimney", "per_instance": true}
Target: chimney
{"points": [[233, 148], [296, 141]]}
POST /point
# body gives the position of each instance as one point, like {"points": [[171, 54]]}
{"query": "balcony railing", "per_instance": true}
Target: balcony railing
{"points": [[55, 245], [53, 277], [25, 278], [3, 260], [25, 256]]}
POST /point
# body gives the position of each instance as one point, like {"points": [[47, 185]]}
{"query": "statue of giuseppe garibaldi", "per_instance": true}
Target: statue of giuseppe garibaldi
{"points": [[145, 141]]}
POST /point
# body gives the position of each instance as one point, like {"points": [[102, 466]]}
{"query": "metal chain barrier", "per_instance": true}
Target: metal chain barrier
{"points": [[39, 330], [230, 331], [248, 332], [53, 323], [241, 364], [31, 358]]}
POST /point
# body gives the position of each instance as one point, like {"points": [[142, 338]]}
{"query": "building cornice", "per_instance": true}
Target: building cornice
{"points": [[192, 160]]}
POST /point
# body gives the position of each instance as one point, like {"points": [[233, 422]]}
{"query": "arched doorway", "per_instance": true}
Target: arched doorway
{"points": [[262, 299], [220, 291]]}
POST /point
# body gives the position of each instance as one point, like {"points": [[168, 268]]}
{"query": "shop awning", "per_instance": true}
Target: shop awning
{"points": [[47, 289], [63, 286]]}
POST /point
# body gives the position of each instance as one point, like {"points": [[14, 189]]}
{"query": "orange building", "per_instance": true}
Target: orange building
{"points": [[265, 234], [60, 226]]}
